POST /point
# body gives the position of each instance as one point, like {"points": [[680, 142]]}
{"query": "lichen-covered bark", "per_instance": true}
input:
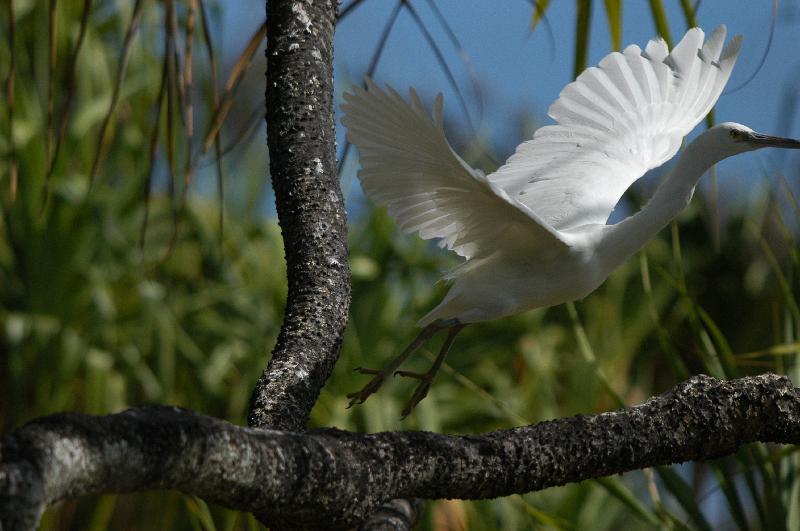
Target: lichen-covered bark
{"points": [[330, 479], [301, 141], [300, 135]]}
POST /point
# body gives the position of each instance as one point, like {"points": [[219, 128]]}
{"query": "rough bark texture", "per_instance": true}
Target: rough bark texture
{"points": [[301, 139], [331, 479]]}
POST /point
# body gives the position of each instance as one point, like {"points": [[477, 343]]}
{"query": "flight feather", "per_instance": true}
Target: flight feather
{"points": [[408, 166], [614, 123]]}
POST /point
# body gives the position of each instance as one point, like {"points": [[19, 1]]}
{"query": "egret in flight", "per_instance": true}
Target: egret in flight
{"points": [[535, 233]]}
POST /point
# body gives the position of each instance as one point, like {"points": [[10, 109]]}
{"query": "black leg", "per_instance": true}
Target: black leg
{"points": [[426, 379], [379, 376]]}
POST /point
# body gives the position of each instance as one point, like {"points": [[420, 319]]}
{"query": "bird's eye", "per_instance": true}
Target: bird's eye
{"points": [[735, 134]]}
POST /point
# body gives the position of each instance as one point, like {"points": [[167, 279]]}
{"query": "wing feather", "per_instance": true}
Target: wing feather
{"points": [[408, 166], [614, 123]]}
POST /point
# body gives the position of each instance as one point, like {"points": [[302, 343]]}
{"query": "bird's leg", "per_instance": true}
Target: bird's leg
{"points": [[380, 375], [426, 379]]}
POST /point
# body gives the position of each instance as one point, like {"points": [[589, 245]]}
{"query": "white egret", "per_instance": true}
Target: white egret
{"points": [[535, 233]]}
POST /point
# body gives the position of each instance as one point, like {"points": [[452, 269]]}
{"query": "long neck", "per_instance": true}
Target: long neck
{"points": [[623, 239]]}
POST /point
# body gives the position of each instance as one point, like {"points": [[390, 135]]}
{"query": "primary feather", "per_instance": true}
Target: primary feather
{"points": [[614, 123]]}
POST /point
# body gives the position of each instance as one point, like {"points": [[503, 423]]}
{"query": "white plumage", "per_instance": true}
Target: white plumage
{"points": [[534, 233], [616, 122]]}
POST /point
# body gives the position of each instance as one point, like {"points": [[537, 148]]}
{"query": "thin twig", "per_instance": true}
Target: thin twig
{"points": [[188, 173], [236, 76], [68, 92], [441, 60], [212, 56], [12, 166], [120, 76], [462, 53], [172, 87], [153, 146], [373, 64], [51, 74], [763, 60]]}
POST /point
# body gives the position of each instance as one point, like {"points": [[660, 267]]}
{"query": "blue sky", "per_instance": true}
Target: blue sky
{"points": [[520, 71]]}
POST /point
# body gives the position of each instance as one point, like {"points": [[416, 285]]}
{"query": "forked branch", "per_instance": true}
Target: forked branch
{"points": [[301, 138]]}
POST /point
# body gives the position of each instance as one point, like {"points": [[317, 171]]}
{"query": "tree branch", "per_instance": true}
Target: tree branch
{"points": [[301, 139], [334, 479], [302, 146]]}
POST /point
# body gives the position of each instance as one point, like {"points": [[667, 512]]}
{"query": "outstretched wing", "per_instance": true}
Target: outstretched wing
{"points": [[408, 166], [614, 123]]}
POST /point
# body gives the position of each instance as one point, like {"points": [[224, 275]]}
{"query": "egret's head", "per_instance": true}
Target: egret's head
{"points": [[730, 138]]}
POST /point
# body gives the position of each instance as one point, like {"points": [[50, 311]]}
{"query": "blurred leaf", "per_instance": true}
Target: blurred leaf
{"points": [[199, 509], [363, 267], [661, 21], [689, 13], [102, 513], [726, 356], [539, 10], [728, 486], [617, 489], [583, 24], [614, 14], [685, 496]]}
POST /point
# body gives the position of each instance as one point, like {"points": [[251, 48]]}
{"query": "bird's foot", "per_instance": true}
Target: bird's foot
{"points": [[379, 376], [421, 391]]}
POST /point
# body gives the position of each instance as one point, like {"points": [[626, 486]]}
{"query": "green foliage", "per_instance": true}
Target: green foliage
{"points": [[91, 320]]}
